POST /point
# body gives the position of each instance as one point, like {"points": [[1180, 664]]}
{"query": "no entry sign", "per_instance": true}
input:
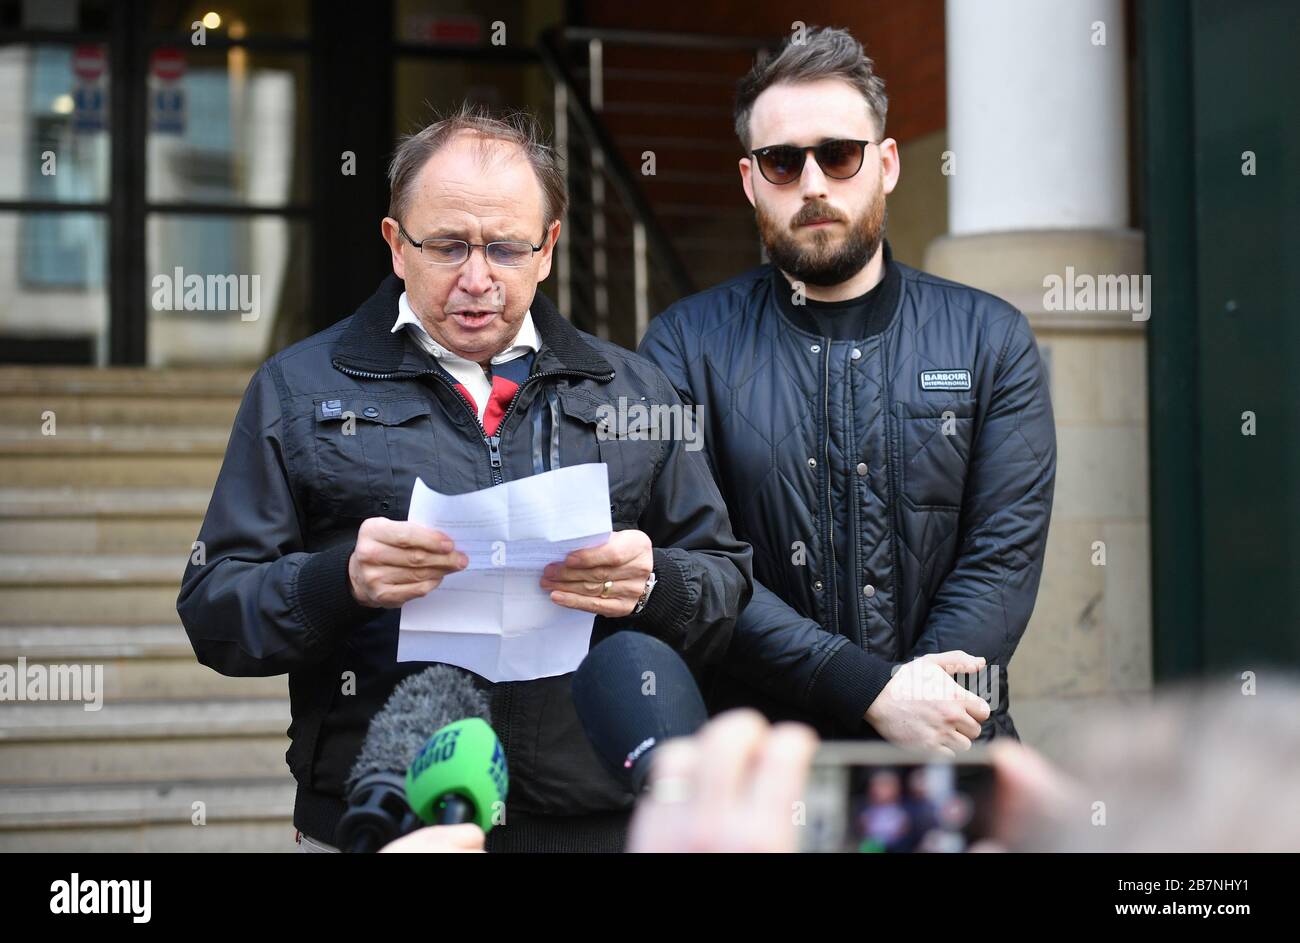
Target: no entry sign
{"points": [[167, 64], [88, 63]]}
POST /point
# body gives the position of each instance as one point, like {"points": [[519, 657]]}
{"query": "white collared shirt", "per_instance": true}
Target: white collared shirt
{"points": [[466, 372]]}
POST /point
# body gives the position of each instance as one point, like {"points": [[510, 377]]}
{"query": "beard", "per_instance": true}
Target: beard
{"points": [[826, 261]]}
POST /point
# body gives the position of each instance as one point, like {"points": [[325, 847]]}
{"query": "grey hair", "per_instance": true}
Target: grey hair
{"points": [[517, 128], [821, 53]]}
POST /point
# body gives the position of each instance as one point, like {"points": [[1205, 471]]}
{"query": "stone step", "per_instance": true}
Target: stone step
{"points": [[126, 760], [97, 642], [141, 720], [217, 837], [90, 589], [241, 815], [139, 663], [76, 503], [50, 744], [99, 520], [32, 410], [120, 396], [162, 679], [103, 456], [135, 382]]}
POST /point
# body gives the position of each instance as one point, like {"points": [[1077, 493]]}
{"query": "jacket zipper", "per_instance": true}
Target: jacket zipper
{"points": [[832, 577], [494, 442], [891, 514], [859, 487], [494, 457]]}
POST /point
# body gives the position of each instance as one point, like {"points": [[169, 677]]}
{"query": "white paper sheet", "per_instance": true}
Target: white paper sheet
{"points": [[493, 618]]}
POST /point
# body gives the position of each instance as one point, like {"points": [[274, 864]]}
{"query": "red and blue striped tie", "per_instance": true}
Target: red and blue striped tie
{"points": [[506, 379]]}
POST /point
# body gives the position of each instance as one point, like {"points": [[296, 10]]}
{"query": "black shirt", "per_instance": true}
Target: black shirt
{"points": [[851, 319]]}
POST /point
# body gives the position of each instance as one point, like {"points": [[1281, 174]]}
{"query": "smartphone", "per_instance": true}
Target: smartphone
{"points": [[875, 798]]}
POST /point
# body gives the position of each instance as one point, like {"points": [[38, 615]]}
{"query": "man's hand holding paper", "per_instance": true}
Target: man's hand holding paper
{"points": [[395, 561], [496, 615], [624, 563]]}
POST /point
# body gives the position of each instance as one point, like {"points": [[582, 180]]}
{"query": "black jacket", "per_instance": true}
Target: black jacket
{"points": [[896, 489], [273, 595]]}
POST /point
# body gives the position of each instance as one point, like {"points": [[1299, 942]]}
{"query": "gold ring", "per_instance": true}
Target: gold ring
{"points": [[604, 592]]}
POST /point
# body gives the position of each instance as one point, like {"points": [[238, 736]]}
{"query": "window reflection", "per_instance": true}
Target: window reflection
{"points": [[227, 126], [54, 139], [224, 289], [53, 299]]}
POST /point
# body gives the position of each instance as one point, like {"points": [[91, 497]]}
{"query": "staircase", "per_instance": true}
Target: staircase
{"points": [[96, 523], [671, 95], [656, 210]]}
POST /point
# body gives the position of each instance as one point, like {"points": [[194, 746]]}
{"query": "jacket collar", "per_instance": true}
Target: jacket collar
{"points": [[369, 344]]}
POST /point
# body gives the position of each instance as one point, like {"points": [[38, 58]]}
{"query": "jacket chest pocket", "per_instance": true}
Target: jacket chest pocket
{"points": [[365, 447], [936, 447], [596, 431]]}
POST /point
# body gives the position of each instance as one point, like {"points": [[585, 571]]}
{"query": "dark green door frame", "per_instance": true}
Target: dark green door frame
{"points": [[1167, 128], [1219, 82]]}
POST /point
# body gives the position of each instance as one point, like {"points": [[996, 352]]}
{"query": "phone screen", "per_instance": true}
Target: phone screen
{"points": [[874, 799]]}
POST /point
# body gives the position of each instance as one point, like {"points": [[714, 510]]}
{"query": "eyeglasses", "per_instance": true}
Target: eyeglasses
{"points": [[455, 251], [839, 159]]}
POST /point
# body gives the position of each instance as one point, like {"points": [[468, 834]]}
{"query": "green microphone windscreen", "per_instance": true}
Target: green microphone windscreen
{"points": [[459, 775]]}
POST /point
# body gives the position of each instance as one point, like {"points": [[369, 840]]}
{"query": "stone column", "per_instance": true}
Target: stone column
{"points": [[1038, 189]]}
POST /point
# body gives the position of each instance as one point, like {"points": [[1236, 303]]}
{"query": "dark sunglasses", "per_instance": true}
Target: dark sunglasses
{"points": [[839, 159]]}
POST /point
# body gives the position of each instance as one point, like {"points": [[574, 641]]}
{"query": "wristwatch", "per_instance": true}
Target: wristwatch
{"points": [[645, 596]]}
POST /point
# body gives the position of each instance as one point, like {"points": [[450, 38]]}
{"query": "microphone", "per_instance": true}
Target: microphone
{"points": [[458, 776], [632, 692], [419, 706]]}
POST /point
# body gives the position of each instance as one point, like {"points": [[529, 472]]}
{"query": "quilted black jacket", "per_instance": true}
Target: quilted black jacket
{"points": [[273, 596], [896, 489]]}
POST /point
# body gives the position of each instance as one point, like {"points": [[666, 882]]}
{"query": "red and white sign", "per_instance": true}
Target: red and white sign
{"points": [[445, 30], [88, 62], [167, 64]]}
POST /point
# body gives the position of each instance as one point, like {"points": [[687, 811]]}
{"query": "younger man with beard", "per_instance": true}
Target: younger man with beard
{"points": [[882, 437]]}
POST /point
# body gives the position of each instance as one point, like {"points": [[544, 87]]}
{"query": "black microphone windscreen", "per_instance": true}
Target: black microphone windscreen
{"points": [[418, 706], [632, 692]]}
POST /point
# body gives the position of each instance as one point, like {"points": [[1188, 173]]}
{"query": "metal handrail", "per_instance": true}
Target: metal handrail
{"points": [[576, 106], [582, 135], [636, 37]]}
